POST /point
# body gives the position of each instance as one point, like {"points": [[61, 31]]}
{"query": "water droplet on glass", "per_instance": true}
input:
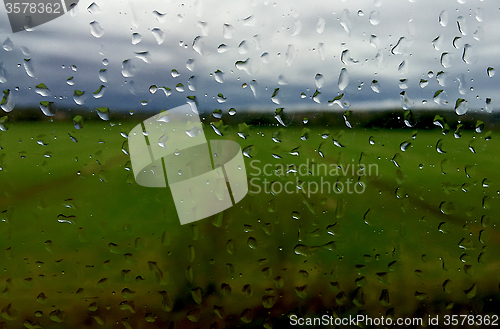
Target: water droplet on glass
{"points": [[136, 38], [227, 31], [343, 79], [443, 18], [290, 55], [320, 26], [103, 113], [78, 122], [319, 80], [28, 66], [128, 68], [462, 25], [437, 43], [446, 60], [48, 108], [297, 28], [94, 8], [190, 64], [102, 76], [345, 21], [461, 106], [374, 17], [375, 86], [159, 35], [232, 111], [8, 45], [79, 97], [159, 16], [96, 30], [99, 92], [490, 71], [42, 90]]}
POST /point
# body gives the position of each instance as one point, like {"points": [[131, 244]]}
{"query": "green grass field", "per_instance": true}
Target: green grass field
{"points": [[84, 246]]}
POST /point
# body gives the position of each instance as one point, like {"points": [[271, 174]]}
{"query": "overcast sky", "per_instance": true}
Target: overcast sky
{"points": [[245, 50]]}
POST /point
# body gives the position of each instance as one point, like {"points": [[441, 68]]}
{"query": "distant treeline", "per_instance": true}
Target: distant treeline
{"points": [[377, 119]]}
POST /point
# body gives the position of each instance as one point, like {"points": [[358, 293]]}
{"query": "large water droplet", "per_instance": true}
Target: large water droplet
{"points": [[227, 31], [343, 79], [42, 90], [490, 71], [7, 103], [320, 26], [79, 97], [443, 18], [446, 60], [136, 38], [319, 80], [345, 21], [462, 25], [374, 17], [96, 30], [8, 45], [159, 35], [28, 66]]}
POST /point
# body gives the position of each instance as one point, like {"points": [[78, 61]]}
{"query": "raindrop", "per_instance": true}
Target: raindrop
{"points": [[128, 68], [437, 43], [319, 80], [8, 45], [468, 56], [136, 38], [159, 16], [78, 122], [222, 48], [439, 146], [219, 76], [96, 30], [462, 25], [374, 17], [48, 108], [158, 35], [490, 71], [103, 113], [290, 55], [243, 47], [478, 34], [374, 41], [42, 90], [345, 21], [190, 64], [94, 8], [70, 81], [297, 27], [346, 58], [232, 111], [461, 106], [446, 60], [99, 92], [102, 76], [462, 85], [343, 79], [227, 31], [79, 97], [144, 56], [7, 103], [447, 208], [28, 66], [443, 18], [199, 45], [441, 78], [375, 86], [320, 26]]}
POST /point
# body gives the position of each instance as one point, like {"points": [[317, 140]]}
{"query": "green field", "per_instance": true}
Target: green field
{"points": [[82, 245]]}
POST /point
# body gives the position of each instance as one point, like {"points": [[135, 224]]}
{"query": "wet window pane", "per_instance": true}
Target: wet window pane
{"points": [[259, 164]]}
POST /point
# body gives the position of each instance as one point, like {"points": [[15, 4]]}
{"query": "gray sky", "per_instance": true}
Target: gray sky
{"points": [[296, 46]]}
